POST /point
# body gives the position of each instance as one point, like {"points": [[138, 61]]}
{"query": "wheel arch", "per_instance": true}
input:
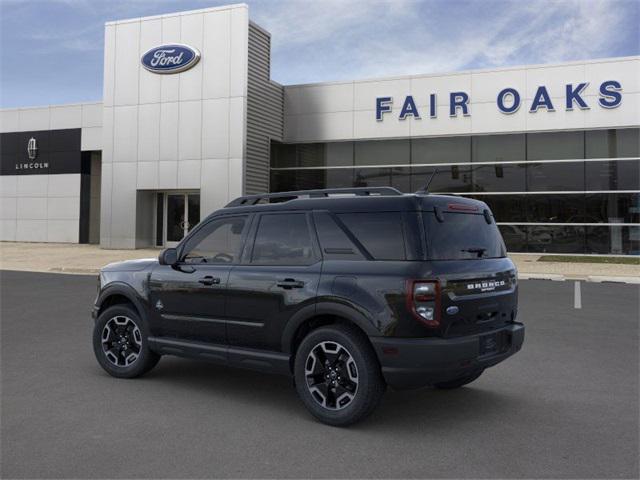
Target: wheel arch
{"points": [[319, 315], [120, 294]]}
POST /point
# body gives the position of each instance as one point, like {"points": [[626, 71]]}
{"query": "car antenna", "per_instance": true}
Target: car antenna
{"points": [[425, 189]]}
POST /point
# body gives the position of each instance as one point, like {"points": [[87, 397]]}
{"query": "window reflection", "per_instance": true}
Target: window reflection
{"points": [[555, 208], [468, 178], [612, 143], [450, 179], [382, 152], [499, 178], [441, 150], [613, 208], [505, 208], [543, 177], [555, 145], [499, 148], [556, 239], [613, 175], [614, 240]]}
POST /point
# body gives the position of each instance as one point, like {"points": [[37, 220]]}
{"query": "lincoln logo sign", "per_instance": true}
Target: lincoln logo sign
{"points": [[508, 101], [32, 154], [172, 58], [32, 149]]}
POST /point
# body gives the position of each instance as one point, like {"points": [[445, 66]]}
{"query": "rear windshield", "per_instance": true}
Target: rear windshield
{"points": [[462, 236]]}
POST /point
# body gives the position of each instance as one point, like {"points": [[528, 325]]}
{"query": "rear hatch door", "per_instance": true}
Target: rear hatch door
{"points": [[478, 282]]}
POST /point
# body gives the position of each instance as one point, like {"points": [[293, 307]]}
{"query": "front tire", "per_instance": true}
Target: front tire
{"points": [[337, 375], [120, 343]]}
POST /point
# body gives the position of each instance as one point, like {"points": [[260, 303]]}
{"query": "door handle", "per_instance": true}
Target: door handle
{"points": [[288, 283], [209, 280]]}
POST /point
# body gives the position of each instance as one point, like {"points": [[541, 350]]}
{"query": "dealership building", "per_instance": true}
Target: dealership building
{"points": [[190, 119]]}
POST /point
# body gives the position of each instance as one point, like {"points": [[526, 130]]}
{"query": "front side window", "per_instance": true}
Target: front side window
{"points": [[217, 242], [283, 239]]}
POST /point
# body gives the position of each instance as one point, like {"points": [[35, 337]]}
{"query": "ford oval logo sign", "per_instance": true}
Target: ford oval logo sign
{"points": [[173, 58]]}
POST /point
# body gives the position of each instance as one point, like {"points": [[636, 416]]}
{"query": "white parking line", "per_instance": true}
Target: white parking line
{"points": [[577, 297]]}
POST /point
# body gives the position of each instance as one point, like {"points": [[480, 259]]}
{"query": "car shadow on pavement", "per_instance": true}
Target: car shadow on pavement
{"points": [[399, 410]]}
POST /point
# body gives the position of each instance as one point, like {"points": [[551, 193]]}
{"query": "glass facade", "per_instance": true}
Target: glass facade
{"points": [[560, 192]]}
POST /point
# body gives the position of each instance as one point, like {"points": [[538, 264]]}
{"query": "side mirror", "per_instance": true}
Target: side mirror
{"points": [[169, 256]]}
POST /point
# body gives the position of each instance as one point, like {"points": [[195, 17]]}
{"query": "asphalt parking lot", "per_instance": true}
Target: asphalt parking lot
{"points": [[565, 406]]}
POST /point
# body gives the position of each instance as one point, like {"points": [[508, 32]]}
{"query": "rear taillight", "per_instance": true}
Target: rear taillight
{"points": [[423, 300]]}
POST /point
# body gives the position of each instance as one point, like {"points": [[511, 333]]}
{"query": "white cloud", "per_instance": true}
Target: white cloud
{"points": [[325, 40]]}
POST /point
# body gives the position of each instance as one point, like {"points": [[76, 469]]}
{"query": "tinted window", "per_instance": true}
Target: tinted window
{"points": [[506, 208], [614, 240], [462, 236], [217, 242], [385, 152], [441, 150], [283, 240], [288, 180], [339, 154], [613, 208], [449, 179], [311, 154], [334, 242], [613, 143], [515, 237], [556, 239], [283, 155], [499, 148], [555, 176], [401, 179], [555, 145], [613, 175], [380, 234], [555, 208], [372, 177], [499, 178]]}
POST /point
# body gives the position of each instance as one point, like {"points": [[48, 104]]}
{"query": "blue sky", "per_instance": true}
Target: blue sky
{"points": [[51, 50]]}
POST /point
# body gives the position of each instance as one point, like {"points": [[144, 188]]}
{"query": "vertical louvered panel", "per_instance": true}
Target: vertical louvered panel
{"points": [[265, 119]]}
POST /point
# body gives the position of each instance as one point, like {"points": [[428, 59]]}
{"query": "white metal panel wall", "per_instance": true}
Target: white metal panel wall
{"points": [[177, 131], [87, 116], [40, 208], [346, 110]]}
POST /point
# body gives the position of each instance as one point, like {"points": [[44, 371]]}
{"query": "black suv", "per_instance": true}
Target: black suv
{"points": [[345, 290]]}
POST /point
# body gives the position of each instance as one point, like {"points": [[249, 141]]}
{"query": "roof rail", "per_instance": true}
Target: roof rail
{"points": [[286, 196]]}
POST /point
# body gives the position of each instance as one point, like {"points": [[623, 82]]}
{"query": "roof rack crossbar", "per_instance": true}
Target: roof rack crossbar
{"points": [[249, 200]]}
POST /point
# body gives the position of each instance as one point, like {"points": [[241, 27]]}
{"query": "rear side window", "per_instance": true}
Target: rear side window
{"points": [[381, 234], [283, 239], [334, 242], [462, 236]]}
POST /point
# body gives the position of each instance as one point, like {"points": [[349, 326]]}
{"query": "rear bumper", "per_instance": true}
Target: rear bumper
{"points": [[418, 362]]}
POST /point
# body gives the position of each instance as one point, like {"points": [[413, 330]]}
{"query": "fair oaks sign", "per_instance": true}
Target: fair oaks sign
{"points": [[508, 100], [173, 58]]}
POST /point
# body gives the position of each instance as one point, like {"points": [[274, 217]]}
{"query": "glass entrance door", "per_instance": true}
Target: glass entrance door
{"points": [[182, 214]]}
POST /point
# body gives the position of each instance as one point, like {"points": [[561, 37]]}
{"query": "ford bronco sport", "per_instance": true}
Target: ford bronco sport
{"points": [[345, 290]]}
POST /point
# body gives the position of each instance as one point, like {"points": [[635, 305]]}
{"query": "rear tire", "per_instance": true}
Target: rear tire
{"points": [[458, 382], [337, 375], [120, 343]]}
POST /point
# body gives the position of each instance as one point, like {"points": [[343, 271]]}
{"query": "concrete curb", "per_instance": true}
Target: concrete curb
{"points": [[541, 276], [74, 270], [585, 278], [600, 278]]}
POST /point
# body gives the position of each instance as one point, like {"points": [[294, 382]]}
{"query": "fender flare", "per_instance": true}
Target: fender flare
{"points": [[127, 291], [341, 310]]}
